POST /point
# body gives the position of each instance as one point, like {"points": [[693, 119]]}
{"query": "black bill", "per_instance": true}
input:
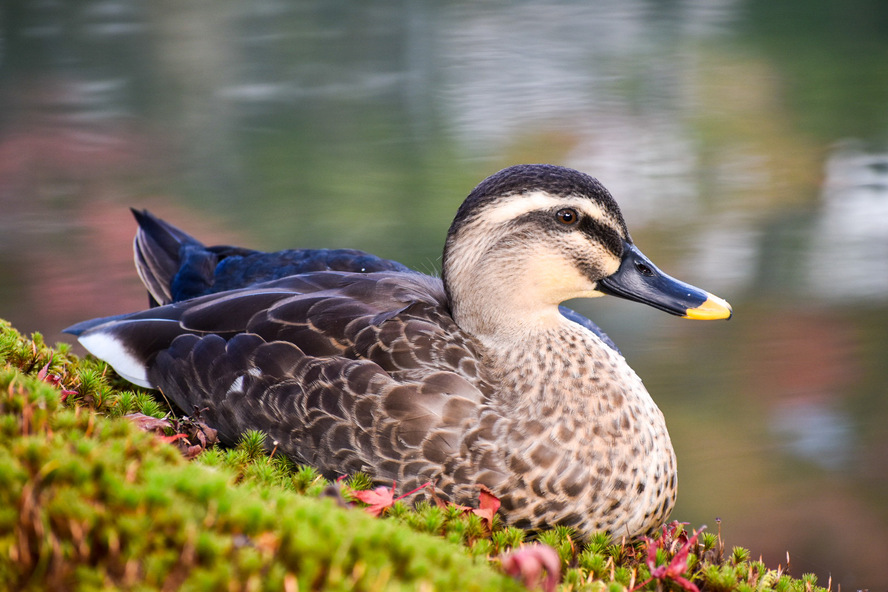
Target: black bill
{"points": [[640, 280]]}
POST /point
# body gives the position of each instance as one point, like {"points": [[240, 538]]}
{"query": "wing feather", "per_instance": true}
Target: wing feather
{"points": [[343, 371]]}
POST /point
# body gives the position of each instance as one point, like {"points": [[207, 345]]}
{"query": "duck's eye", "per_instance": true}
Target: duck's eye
{"points": [[567, 216]]}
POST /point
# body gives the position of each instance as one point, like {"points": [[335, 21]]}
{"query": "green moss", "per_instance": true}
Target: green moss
{"points": [[89, 501]]}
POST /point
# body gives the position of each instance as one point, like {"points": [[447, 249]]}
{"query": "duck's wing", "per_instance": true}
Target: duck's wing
{"points": [[344, 371], [158, 252], [175, 266]]}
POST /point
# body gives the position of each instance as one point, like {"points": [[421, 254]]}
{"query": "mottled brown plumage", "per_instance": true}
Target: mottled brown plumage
{"points": [[477, 380]]}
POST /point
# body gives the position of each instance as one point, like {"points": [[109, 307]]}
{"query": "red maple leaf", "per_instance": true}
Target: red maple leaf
{"points": [[378, 499], [488, 504], [382, 497]]}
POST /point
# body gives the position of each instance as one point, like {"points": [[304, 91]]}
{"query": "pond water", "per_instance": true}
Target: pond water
{"points": [[747, 142]]}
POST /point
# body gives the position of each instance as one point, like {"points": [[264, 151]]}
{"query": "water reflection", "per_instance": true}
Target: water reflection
{"points": [[574, 66], [279, 124], [848, 259], [816, 431]]}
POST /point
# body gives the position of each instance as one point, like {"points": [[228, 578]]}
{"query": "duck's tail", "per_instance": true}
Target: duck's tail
{"points": [[158, 249]]}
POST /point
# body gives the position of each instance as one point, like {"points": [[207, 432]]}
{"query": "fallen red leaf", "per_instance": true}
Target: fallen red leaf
{"points": [[54, 379], [528, 563], [488, 504], [172, 438], [378, 499], [382, 497], [44, 372], [190, 452], [191, 438], [148, 423]]}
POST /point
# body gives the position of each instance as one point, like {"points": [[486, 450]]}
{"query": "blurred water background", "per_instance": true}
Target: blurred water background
{"points": [[746, 140]]}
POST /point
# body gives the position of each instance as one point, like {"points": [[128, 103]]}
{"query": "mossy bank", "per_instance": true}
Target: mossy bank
{"points": [[90, 501]]}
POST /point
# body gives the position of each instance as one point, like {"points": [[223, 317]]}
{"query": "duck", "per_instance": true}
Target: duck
{"points": [[479, 378]]}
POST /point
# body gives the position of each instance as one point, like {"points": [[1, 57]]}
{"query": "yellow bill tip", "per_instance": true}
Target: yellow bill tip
{"points": [[713, 308]]}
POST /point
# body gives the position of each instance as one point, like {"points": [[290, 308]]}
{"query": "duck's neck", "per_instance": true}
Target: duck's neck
{"points": [[502, 316], [506, 297], [562, 372], [543, 362]]}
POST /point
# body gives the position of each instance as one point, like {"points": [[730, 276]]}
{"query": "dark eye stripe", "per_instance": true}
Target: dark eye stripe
{"points": [[605, 234], [610, 238]]}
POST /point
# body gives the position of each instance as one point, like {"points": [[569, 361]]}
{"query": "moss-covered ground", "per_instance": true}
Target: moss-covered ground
{"points": [[96, 495]]}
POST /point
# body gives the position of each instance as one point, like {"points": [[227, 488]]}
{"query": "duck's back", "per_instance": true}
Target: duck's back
{"points": [[175, 266]]}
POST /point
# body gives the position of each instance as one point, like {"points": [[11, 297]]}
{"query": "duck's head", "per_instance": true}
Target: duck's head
{"points": [[532, 236]]}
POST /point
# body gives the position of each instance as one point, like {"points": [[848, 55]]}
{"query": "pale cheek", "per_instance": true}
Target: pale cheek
{"points": [[555, 280], [611, 264]]}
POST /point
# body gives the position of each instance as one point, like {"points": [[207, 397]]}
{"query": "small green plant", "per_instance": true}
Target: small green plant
{"points": [[306, 480], [359, 482], [739, 555]]}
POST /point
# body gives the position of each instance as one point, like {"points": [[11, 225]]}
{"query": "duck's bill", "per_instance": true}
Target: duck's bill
{"points": [[640, 280]]}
